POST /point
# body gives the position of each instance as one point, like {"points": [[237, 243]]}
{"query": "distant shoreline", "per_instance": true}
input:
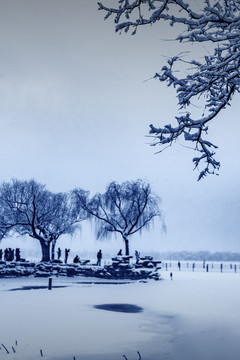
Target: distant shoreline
{"points": [[197, 255]]}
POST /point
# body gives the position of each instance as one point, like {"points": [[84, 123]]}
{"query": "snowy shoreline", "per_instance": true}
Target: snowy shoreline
{"points": [[116, 270]]}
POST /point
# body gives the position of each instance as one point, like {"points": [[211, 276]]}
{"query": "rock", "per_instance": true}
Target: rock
{"points": [[42, 274], [71, 271], [25, 263], [54, 272], [124, 266], [2, 273], [122, 270], [57, 261], [11, 265], [150, 265]]}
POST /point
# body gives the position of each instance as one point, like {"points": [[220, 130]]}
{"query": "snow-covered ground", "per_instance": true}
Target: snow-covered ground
{"points": [[195, 316]]}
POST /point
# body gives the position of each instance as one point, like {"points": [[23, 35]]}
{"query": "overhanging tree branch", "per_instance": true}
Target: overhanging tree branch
{"points": [[215, 78]]}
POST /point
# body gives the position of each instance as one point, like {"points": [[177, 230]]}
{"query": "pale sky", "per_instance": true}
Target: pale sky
{"points": [[75, 109]]}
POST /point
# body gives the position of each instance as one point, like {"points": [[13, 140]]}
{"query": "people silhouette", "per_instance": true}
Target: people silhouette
{"points": [[99, 257]]}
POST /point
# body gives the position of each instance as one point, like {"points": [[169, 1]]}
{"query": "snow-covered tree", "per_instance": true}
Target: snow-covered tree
{"points": [[124, 209], [27, 208], [214, 77]]}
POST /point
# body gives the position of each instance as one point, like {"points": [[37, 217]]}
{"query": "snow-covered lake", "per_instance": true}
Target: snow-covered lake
{"points": [[194, 316]]}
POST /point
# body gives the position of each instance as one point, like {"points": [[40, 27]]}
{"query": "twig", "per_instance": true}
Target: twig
{"points": [[5, 348], [41, 353], [13, 349], [139, 356]]}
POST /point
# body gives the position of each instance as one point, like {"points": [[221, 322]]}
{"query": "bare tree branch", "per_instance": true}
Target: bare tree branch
{"points": [[215, 78]]}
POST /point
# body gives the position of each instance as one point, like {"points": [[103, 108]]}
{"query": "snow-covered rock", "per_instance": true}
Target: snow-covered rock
{"points": [[47, 269]]}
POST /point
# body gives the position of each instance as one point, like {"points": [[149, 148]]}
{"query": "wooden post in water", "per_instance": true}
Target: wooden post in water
{"points": [[50, 283]]}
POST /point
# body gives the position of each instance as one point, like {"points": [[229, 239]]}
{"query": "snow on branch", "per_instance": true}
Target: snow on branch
{"points": [[214, 78]]}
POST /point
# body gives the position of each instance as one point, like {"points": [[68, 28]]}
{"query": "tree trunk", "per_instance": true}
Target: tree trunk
{"points": [[53, 250], [126, 246], [45, 251]]}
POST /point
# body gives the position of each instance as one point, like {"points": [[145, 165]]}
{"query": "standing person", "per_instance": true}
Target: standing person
{"points": [[17, 254], [66, 254], [137, 255], [59, 252], [99, 257], [12, 254], [179, 265], [6, 254]]}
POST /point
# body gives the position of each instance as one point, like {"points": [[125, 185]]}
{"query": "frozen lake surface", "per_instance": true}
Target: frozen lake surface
{"points": [[194, 316]]}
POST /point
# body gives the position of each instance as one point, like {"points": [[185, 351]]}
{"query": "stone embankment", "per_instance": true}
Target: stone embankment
{"points": [[47, 269]]}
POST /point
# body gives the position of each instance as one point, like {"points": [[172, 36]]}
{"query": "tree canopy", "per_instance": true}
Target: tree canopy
{"points": [[214, 77], [27, 208], [123, 209]]}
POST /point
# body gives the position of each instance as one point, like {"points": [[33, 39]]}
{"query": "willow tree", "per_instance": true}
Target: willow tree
{"points": [[215, 77], [124, 209], [27, 208]]}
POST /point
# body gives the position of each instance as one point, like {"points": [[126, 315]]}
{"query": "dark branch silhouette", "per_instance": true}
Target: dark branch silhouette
{"points": [[214, 77]]}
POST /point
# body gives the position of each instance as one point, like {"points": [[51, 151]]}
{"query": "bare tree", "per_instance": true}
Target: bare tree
{"points": [[124, 208], [27, 208], [215, 77]]}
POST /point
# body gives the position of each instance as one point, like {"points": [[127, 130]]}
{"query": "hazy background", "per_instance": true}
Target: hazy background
{"points": [[75, 109]]}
